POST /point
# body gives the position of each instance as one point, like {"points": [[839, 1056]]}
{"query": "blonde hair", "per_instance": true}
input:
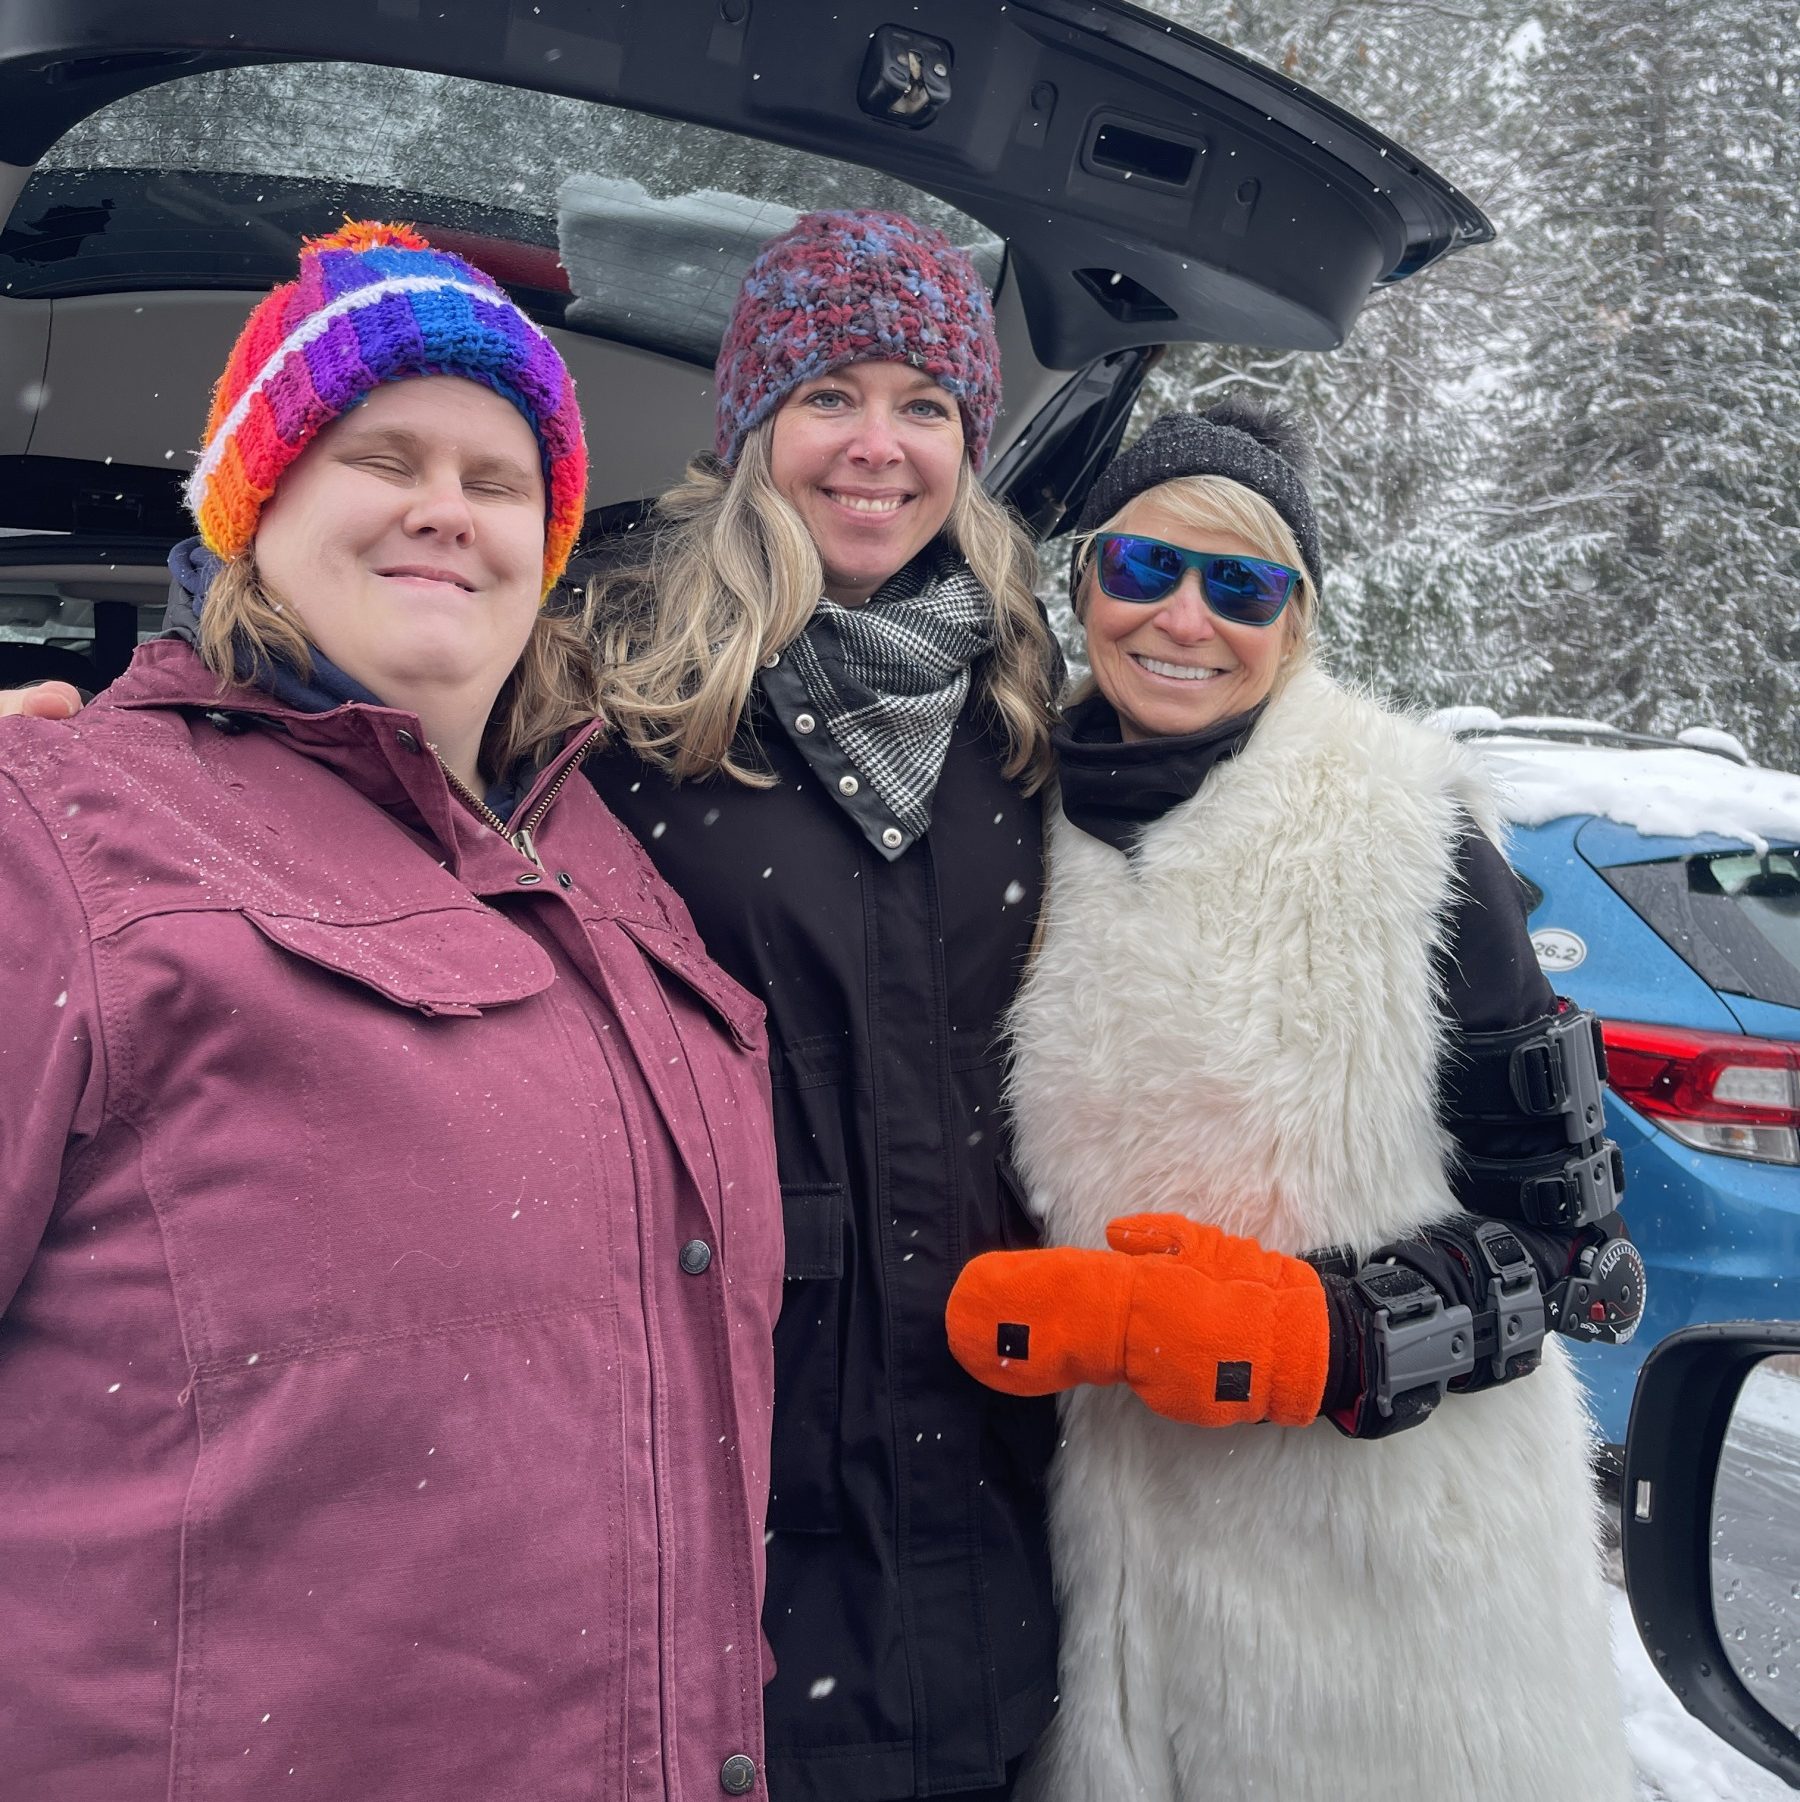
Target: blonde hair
{"points": [[244, 630], [729, 576], [1206, 504]]}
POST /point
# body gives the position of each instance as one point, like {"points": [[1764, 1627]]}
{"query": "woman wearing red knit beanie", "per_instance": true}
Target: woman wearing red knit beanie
{"points": [[832, 686]]}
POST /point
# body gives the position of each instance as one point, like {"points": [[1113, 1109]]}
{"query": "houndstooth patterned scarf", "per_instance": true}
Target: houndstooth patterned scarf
{"points": [[889, 678]]}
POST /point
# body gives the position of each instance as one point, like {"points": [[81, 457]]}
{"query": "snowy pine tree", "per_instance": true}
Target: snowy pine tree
{"points": [[1560, 473], [1653, 433], [1399, 410]]}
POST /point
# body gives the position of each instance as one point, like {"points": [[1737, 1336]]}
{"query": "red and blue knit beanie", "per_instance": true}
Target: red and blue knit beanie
{"points": [[857, 287], [374, 303]]}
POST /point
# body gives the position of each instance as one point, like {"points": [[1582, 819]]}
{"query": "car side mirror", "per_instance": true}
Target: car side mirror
{"points": [[1711, 1530]]}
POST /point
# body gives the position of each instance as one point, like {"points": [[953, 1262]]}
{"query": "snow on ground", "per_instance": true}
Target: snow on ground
{"points": [[1675, 1758], [1771, 1398]]}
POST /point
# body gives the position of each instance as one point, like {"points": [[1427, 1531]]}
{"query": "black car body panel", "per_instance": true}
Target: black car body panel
{"points": [[1126, 184], [1151, 185]]}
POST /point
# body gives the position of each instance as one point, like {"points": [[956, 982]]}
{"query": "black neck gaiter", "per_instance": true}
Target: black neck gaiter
{"points": [[1112, 790]]}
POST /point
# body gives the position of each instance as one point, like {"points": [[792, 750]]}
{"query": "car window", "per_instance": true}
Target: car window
{"points": [[615, 222], [1733, 916]]}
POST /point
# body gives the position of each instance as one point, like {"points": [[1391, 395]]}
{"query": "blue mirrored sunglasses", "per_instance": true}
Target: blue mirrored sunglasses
{"points": [[1245, 590]]}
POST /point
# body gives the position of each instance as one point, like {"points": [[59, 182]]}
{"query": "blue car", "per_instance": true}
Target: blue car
{"points": [[1664, 882]]}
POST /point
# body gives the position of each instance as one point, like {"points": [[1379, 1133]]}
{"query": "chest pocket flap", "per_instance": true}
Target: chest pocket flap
{"points": [[454, 961], [739, 1010]]}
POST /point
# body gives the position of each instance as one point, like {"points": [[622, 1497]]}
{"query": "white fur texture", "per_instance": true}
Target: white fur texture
{"points": [[1241, 1025]]}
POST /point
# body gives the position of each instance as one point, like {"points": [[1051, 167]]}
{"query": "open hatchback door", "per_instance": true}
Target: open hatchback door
{"points": [[1122, 183]]}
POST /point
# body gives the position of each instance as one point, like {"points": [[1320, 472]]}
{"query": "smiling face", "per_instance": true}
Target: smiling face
{"points": [[869, 456], [409, 540], [1173, 667]]}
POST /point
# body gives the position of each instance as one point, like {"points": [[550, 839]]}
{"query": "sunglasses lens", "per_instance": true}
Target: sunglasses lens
{"points": [[1137, 569], [1249, 592], [1245, 590]]}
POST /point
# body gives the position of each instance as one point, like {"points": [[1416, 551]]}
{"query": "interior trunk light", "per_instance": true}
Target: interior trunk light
{"points": [[1716, 1091]]}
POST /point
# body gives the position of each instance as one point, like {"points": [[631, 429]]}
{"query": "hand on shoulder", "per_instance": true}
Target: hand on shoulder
{"points": [[41, 701]]}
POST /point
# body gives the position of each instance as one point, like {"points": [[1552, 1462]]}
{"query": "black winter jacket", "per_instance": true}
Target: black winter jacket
{"points": [[909, 1601]]}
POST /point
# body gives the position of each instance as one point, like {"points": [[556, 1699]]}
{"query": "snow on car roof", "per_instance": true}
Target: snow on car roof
{"points": [[1660, 790]]}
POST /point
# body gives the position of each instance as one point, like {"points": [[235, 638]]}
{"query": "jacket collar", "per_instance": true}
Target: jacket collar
{"points": [[191, 570], [324, 686], [380, 751]]}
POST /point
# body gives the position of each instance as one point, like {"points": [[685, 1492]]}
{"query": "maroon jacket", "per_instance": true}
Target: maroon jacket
{"points": [[389, 1249]]}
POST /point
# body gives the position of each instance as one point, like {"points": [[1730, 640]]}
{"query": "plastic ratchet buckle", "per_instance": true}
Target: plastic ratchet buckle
{"points": [[1561, 1069], [1512, 1321], [1419, 1346]]}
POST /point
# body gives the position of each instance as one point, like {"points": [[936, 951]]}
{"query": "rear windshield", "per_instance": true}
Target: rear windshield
{"points": [[611, 221], [1733, 916]]}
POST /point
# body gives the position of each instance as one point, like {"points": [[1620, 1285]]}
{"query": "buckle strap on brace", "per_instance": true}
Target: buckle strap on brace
{"points": [[1514, 1317], [1546, 1068], [1413, 1346], [1563, 1191]]}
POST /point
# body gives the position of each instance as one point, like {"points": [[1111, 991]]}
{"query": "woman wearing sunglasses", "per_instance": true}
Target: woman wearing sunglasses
{"points": [[1278, 928]]}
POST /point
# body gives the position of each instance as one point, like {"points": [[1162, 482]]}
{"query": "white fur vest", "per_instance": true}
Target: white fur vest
{"points": [[1241, 1024]]}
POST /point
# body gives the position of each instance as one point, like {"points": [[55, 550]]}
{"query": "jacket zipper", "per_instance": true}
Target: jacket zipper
{"points": [[521, 841], [523, 837]]}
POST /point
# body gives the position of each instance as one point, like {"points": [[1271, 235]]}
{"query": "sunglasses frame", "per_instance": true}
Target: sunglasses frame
{"points": [[1200, 562]]}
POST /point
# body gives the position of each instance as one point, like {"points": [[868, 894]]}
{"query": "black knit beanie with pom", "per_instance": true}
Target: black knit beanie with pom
{"points": [[1257, 443]]}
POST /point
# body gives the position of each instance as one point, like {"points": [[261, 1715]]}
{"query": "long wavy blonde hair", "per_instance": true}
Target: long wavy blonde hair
{"points": [[244, 629], [727, 575]]}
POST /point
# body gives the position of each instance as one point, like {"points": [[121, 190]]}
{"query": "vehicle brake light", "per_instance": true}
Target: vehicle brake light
{"points": [[507, 260], [1716, 1091]]}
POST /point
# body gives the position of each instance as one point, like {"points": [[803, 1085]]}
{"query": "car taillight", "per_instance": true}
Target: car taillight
{"points": [[1716, 1091], [505, 259]]}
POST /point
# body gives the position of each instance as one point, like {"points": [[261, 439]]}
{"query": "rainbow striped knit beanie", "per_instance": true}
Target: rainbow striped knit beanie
{"points": [[857, 287], [374, 303]]}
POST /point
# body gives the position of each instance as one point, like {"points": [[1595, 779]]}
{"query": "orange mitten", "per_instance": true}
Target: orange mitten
{"points": [[1207, 1328]]}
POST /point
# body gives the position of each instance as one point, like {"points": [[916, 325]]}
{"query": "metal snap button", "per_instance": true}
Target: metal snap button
{"points": [[737, 1775], [405, 740], [848, 785], [804, 722], [696, 1256], [770, 661], [893, 838]]}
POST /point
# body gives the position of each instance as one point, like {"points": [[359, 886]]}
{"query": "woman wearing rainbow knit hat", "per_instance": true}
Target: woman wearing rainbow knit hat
{"points": [[388, 1215]]}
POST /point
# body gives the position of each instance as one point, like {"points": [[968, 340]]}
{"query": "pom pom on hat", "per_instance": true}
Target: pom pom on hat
{"points": [[367, 234], [838, 288], [375, 303], [1271, 424]]}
